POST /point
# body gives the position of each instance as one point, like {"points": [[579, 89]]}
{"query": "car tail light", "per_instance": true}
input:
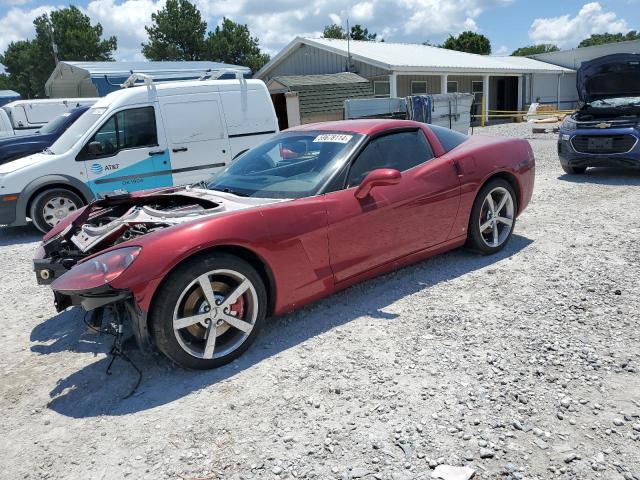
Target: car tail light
{"points": [[97, 271]]}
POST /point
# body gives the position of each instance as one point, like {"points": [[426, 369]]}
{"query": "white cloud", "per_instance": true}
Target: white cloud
{"points": [[274, 22], [17, 24], [502, 50], [567, 31]]}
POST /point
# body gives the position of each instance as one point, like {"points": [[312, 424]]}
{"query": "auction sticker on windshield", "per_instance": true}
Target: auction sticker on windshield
{"points": [[333, 137]]}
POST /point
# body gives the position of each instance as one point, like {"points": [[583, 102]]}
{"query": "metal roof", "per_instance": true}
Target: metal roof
{"points": [[99, 69], [328, 79], [106, 77], [417, 58], [574, 57]]}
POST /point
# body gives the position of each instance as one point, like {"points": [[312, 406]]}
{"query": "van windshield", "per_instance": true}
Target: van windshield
{"points": [[290, 165], [69, 138]]}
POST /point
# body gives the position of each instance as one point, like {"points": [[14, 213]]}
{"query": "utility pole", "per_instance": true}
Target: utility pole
{"points": [[348, 47], [54, 47]]}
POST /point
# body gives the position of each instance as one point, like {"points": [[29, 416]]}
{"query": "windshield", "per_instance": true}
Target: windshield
{"points": [[54, 124], [290, 165], [69, 138]]}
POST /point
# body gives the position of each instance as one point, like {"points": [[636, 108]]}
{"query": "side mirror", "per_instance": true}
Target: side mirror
{"points": [[94, 148], [377, 178]]}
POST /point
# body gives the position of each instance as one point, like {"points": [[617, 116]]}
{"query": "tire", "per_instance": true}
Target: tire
{"points": [[569, 170], [484, 240], [44, 213], [181, 298]]}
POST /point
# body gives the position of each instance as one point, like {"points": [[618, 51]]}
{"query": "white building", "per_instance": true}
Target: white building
{"points": [[402, 69]]}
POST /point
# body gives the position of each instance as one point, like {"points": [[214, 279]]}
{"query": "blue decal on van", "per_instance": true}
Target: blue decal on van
{"points": [[151, 172], [96, 168]]}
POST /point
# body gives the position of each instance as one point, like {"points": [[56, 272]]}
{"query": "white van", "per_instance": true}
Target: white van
{"points": [[150, 136], [23, 117]]}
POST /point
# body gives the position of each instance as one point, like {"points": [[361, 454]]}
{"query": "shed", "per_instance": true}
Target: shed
{"points": [[8, 96], [402, 69], [96, 79], [315, 98]]}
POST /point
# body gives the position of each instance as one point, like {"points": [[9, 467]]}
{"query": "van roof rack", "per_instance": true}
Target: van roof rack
{"points": [[209, 74]]}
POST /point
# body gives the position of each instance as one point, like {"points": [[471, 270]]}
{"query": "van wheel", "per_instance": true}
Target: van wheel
{"points": [[51, 206]]}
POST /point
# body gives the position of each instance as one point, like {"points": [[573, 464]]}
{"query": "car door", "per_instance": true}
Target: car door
{"points": [[197, 136], [393, 221], [128, 154]]}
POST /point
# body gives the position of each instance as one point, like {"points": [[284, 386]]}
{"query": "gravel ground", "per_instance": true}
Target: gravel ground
{"points": [[521, 365]]}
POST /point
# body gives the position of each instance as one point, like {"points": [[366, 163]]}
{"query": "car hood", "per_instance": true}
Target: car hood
{"points": [[612, 76], [23, 162], [18, 139], [119, 218]]}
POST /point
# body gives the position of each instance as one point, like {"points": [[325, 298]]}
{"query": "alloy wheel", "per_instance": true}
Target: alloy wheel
{"points": [[215, 314], [496, 217]]}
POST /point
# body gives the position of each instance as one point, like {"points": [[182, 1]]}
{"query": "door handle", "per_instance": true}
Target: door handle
{"points": [[156, 152], [181, 149], [458, 168]]}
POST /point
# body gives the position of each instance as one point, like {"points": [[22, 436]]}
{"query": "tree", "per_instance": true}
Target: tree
{"points": [[177, 33], [602, 38], [357, 33], [30, 62], [4, 82], [334, 31], [232, 43], [19, 60], [470, 42], [535, 49]]}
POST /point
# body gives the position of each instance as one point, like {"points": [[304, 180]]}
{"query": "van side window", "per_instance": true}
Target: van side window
{"points": [[133, 128]]}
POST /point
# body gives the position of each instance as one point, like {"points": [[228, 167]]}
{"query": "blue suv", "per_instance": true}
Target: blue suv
{"points": [[605, 131]]}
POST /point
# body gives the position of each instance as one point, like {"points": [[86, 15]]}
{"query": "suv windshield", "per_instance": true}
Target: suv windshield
{"points": [[69, 138], [290, 165], [54, 124]]}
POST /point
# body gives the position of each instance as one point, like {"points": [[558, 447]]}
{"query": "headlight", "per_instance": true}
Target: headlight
{"points": [[569, 124], [97, 271]]}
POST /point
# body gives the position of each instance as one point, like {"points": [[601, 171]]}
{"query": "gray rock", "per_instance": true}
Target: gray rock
{"points": [[449, 472]]}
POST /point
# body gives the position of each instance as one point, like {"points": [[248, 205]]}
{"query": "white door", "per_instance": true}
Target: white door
{"points": [[126, 153], [196, 136]]}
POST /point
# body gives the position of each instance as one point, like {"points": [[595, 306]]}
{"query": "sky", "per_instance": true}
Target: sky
{"points": [[509, 24]]}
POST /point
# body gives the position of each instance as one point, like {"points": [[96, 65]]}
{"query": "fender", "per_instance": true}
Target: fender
{"points": [[27, 193]]}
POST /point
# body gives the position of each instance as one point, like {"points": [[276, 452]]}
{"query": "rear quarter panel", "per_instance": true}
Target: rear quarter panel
{"points": [[481, 158]]}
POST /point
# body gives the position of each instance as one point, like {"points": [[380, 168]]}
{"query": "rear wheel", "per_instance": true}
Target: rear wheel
{"points": [[209, 311], [51, 206], [573, 170], [493, 217]]}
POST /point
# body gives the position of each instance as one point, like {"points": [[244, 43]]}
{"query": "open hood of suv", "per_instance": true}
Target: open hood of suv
{"points": [[612, 76]]}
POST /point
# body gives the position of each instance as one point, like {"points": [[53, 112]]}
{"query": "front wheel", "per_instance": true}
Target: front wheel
{"points": [[493, 217], [569, 170], [208, 311], [51, 206]]}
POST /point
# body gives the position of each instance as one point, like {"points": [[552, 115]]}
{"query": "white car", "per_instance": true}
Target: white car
{"points": [[137, 138], [24, 117]]}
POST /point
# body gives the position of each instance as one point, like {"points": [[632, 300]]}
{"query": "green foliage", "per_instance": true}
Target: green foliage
{"points": [[177, 33], [357, 33], [232, 43], [334, 31], [469, 42], [20, 62], [4, 82], [534, 49], [30, 62], [602, 38]]}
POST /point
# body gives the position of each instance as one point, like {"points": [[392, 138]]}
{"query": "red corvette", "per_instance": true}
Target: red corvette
{"points": [[317, 208]]}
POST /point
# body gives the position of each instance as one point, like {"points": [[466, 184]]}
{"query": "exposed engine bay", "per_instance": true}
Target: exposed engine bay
{"points": [[117, 219]]}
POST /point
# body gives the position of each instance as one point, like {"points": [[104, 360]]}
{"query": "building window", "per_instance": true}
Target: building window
{"points": [[418, 87], [381, 89], [452, 86], [476, 89]]}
